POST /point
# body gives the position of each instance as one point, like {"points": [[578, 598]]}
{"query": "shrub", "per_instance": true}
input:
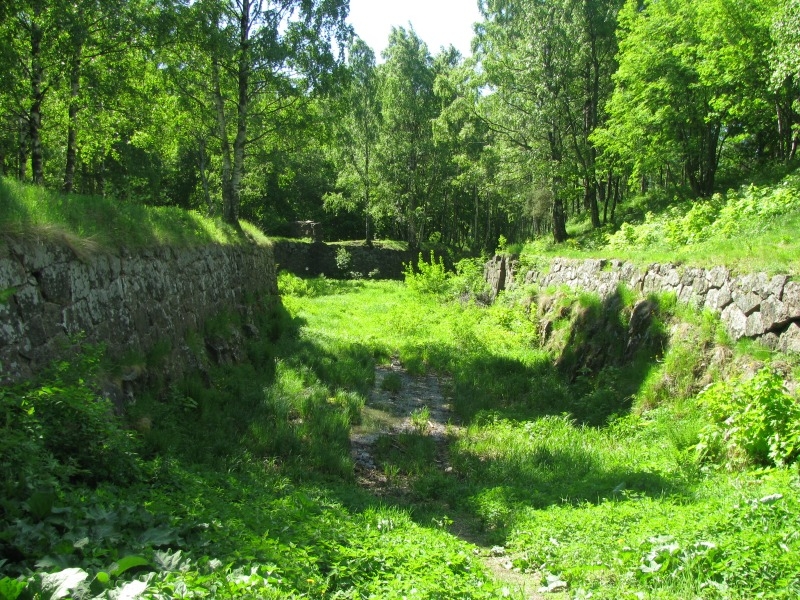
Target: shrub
{"points": [[60, 429], [429, 278], [469, 278], [751, 421]]}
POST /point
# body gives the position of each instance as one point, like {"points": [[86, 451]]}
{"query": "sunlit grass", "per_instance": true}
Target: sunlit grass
{"points": [[761, 236], [88, 222], [622, 508]]}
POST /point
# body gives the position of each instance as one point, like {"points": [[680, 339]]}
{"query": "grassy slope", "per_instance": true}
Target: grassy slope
{"points": [[750, 229], [88, 222]]}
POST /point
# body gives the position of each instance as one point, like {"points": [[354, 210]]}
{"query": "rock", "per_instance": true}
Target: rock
{"points": [[718, 299], [774, 313], [717, 277], [776, 285], [754, 326], [791, 297], [735, 321], [790, 339], [748, 302]]}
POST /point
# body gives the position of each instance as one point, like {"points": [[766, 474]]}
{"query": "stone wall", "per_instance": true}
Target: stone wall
{"points": [[131, 301], [754, 306], [315, 259]]}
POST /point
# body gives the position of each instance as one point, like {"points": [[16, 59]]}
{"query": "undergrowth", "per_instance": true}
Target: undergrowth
{"points": [[595, 470], [748, 229]]}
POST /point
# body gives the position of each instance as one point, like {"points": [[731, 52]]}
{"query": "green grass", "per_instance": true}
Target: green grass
{"points": [[620, 508], [244, 487], [748, 230], [89, 222]]}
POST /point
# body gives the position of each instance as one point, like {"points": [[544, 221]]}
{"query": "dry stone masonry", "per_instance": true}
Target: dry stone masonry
{"points": [[130, 301], [755, 306]]}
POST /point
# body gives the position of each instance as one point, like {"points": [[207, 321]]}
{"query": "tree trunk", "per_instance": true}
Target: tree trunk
{"points": [[590, 199], [222, 128], [559, 220], [201, 143], [615, 198], [22, 150], [37, 95], [72, 129], [602, 189]]}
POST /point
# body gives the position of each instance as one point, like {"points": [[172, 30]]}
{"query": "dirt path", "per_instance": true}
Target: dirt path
{"points": [[402, 403]]}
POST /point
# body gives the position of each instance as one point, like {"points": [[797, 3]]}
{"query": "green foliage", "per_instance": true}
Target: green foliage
{"points": [[343, 259], [468, 279], [751, 421], [61, 429], [428, 278], [749, 211], [247, 482]]}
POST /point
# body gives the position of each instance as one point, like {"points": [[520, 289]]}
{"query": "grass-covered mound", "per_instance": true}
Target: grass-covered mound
{"points": [[88, 222]]}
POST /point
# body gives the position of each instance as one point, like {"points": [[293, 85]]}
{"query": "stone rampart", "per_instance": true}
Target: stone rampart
{"points": [[755, 306], [129, 301]]}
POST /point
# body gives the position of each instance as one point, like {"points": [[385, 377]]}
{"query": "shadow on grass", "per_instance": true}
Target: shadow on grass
{"points": [[296, 398]]}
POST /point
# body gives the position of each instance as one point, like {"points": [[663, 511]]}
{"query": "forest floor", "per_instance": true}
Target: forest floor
{"points": [[400, 404]]}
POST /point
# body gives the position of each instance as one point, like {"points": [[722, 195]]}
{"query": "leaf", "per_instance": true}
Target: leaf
{"points": [[58, 585], [40, 504], [158, 536], [132, 590], [126, 563], [103, 577], [166, 561], [10, 589]]}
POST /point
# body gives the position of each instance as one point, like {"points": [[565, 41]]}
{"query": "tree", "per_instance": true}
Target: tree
{"points": [[31, 42], [99, 38], [785, 63], [692, 76], [407, 153], [248, 59], [357, 133], [548, 66]]}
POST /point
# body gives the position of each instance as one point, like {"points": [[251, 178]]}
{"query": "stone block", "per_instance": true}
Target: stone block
{"points": [[11, 274], [28, 301], [735, 321], [754, 326], [672, 278], [747, 301], [55, 285], [717, 277], [774, 313], [791, 298], [776, 285], [790, 339]]}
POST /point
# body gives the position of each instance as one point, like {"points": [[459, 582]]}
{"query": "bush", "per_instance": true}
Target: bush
{"points": [[61, 429], [429, 278], [752, 421]]}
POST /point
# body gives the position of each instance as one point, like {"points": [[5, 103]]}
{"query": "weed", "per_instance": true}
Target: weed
{"points": [[421, 420], [751, 421], [392, 383], [428, 278]]}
